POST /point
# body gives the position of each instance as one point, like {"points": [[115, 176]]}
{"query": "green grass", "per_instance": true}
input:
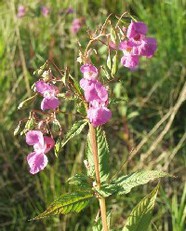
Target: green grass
{"points": [[151, 92]]}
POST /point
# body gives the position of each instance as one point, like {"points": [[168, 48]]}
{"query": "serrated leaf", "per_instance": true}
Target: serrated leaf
{"points": [[140, 217], [98, 225], [103, 154], [108, 190], [137, 178], [70, 202], [81, 181], [74, 131]]}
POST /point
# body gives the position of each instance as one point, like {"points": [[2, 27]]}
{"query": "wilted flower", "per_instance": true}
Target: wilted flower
{"points": [[37, 160]]}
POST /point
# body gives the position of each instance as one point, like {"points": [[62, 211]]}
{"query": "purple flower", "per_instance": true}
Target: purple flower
{"points": [[96, 95], [49, 103], [136, 29], [98, 114], [70, 10], [94, 90], [76, 25], [49, 92], [45, 11], [37, 160], [21, 11], [147, 47], [137, 45], [130, 61], [89, 71]]}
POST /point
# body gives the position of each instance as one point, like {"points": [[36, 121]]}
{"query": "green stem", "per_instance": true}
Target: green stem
{"points": [[102, 203]]}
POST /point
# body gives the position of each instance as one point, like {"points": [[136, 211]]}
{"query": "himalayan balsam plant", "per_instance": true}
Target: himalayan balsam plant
{"points": [[126, 41]]}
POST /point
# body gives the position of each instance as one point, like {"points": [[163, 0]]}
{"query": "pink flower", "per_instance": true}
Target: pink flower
{"points": [[98, 114], [130, 61], [37, 160], [96, 95], [49, 92], [76, 25], [45, 11], [136, 29], [146, 48], [89, 71], [94, 90], [21, 11]]}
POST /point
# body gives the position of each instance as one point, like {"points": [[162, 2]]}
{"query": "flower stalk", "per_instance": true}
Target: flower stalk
{"points": [[102, 203]]}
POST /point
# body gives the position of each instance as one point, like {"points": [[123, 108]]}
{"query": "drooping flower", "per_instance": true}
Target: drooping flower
{"points": [[37, 160], [49, 92], [130, 61], [137, 45], [94, 90], [136, 29], [21, 11], [45, 11], [96, 95], [98, 114], [89, 71]]}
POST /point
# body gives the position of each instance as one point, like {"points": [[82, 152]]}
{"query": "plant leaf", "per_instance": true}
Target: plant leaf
{"points": [[66, 203], [107, 190], [81, 181], [26, 102], [74, 131], [137, 178], [141, 215]]}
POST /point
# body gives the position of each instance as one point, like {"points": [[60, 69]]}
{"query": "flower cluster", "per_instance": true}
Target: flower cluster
{"points": [[137, 45], [49, 92], [37, 160], [96, 95]]}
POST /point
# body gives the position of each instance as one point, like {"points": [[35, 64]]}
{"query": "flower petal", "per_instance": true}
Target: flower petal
{"points": [[37, 162], [49, 103], [49, 143], [34, 137]]}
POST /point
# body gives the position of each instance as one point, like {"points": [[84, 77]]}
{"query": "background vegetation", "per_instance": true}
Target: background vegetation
{"points": [[153, 111]]}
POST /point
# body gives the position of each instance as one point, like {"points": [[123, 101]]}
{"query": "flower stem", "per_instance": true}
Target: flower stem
{"points": [[102, 203]]}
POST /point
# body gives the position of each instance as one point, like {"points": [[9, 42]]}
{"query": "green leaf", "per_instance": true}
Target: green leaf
{"points": [[103, 154], [98, 225], [70, 202], [141, 215], [108, 190], [58, 146], [81, 181], [27, 102], [137, 178], [76, 129]]}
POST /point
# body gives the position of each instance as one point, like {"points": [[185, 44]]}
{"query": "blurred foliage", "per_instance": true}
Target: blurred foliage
{"points": [[144, 97]]}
